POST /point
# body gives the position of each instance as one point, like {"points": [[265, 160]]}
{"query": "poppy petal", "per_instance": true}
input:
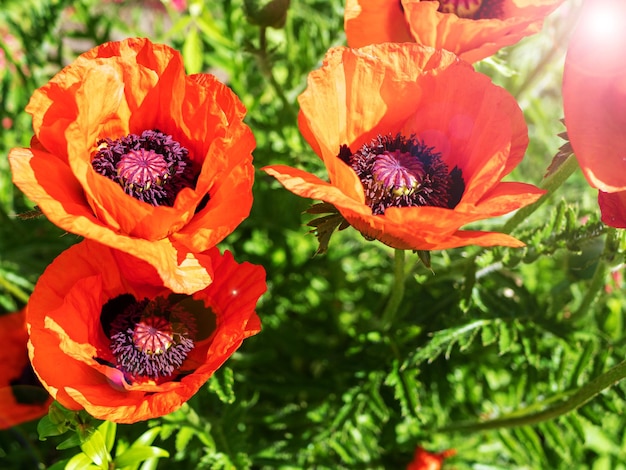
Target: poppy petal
{"points": [[594, 93], [613, 208]]}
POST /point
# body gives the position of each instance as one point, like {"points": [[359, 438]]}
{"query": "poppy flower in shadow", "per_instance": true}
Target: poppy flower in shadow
{"points": [[415, 143], [131, 152], [472, 29], [594, 103], [424, 460], [124, 349], [22, 397]]}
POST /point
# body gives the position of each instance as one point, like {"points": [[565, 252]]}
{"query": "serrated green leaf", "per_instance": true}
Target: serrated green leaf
{"points": [[505, 340], [222, 383], [441, 341], [137, 454], [488, 335], [584, 358], [183, 437]]}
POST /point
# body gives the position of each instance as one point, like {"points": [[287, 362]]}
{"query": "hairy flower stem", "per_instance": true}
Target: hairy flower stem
{"points": [[550, 184], [397, 290], [576, 400]]}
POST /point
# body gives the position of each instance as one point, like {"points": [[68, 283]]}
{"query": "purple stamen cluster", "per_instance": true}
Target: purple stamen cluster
{"points": [[403, 172], [149, 338], [151, 167]]}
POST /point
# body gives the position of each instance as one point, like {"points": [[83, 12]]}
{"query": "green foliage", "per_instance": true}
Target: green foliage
{"points": [[481, 335]]}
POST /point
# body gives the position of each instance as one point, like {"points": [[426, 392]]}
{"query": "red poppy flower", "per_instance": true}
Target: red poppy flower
{"points": [[424, 460], [22, 397], [415, 143], [133, 153], [124, 349], [473, 29], [594, 102]]}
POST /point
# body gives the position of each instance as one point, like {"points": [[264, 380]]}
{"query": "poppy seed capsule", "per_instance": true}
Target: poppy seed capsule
{"points": [[151, 167], [149, 339], [401, 172]]}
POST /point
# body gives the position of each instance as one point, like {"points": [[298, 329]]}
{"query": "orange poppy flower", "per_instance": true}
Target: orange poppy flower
{"points": [[22, 397], [424, 460], [594, 102], [133, 153], [125, 349], [472, 29], [415, 143]]}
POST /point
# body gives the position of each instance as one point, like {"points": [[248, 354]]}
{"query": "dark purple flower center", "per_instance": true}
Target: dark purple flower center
{"points": [[27, 389], [148, 338], [401, 172], [151, 167], [473, 9]]}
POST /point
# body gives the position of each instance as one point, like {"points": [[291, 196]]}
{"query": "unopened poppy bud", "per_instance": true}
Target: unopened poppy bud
{"points": [[272, 13]]}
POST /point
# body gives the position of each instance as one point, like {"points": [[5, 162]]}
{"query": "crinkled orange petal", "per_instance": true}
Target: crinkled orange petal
{"points": [[386, 16], [613, 208], [376, 21], [594, 93], [61, 199], [66, 334], [415, 228]]}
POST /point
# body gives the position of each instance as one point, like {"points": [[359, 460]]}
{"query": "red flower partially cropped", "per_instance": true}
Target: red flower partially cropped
{"points": [[416, 144], [472, 29], [108, 340], [424, 460], [594, 102], [22, 397], [133, 153]]}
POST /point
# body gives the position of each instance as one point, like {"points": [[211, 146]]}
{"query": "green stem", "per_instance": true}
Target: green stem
{"points": [[578, 399], [550, 184], [397, 290]]}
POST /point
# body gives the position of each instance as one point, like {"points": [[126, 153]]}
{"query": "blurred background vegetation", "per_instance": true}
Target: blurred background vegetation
{"points": [[482, 334]]}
